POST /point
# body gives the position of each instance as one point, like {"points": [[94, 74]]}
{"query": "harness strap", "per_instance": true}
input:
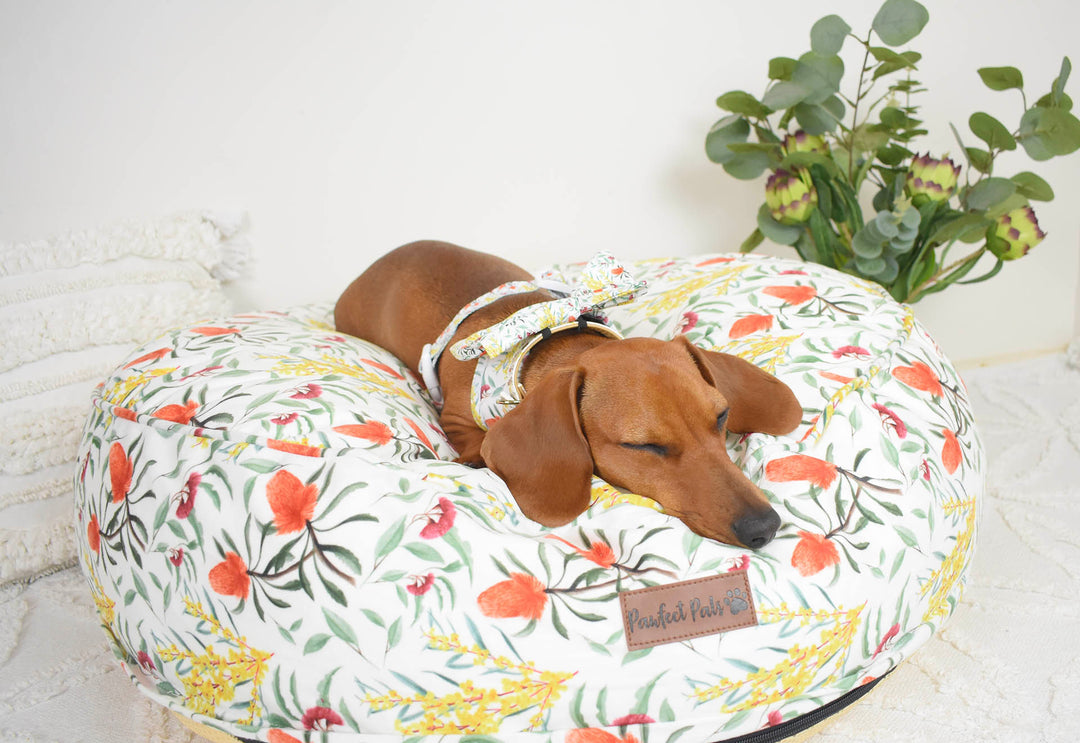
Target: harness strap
{"points": [[432, 352]]}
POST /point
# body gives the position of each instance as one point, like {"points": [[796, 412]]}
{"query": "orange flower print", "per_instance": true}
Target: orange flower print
{"points": [[210, 332], [383, 368], [120, 471], [832, 376], [374, 431], [749, 325], [292, 502], [600, 553], [801, 467], [293, 447], [126, 413], [178, 413], [420, 434], [920, 377], [152, 356], [520, 596], [715, 261], [597, 735], [93, 533], [792, 294], [950, 453], [813, 553], [280, 736], [230, 577]]}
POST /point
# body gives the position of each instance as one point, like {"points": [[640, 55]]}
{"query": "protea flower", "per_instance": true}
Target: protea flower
{"points": [[1015, 234], [933, 179], [790, 196], [800, 141]]}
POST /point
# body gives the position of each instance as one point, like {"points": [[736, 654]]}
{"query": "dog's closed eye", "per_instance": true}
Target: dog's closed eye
{"points": [[657, 449], [721, 420]]}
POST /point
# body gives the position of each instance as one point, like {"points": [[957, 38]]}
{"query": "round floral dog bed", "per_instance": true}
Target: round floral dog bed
{"points": [[280, 549]]}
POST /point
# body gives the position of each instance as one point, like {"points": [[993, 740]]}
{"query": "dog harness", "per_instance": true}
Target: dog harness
{"points": [[501, 349]]}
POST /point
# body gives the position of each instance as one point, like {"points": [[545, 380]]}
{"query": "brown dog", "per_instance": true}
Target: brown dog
{"points": [[645, 415]]}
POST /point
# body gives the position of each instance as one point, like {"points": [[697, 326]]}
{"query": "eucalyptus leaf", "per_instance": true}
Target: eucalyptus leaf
{"points": [[828, 34], [980, 159], [893, 117], [900, 21], [746, 166], [814, 119], [1057, 90], [870, 137], [784, 94], [989, 192], [1049, 132], [781, 68], [990, 130], [905, 61], [1001, 78], [893, 154], [895, 59], [742, 103], [1016, 201], [728, 130], [1032, 186], [1065, 103], [819, 75], [782, 234], [834, 106]]}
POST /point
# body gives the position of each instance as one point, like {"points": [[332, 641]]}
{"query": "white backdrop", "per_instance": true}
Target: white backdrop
{"points": [[540, 131]]}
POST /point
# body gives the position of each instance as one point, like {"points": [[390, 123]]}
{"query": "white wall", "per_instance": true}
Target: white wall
{"points": [[541, 131]]}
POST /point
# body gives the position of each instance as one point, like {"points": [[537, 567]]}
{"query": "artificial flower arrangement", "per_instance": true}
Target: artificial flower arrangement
{"points": [[825, 147]]}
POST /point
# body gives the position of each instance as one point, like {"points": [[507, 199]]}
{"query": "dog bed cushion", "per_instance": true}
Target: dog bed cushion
{"points": [[279, 546]]}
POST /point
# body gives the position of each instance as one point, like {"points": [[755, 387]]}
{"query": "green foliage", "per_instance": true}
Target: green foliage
{"points": [[851, 141]]}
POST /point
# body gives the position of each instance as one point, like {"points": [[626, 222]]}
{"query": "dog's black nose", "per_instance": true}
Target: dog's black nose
{"points": [[757, 530]]}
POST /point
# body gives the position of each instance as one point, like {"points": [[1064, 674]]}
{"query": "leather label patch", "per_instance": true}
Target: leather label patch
{"points": [[681, 611]]}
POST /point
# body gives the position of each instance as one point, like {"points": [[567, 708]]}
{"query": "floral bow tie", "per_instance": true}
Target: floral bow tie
{"points": [[603, 283]]}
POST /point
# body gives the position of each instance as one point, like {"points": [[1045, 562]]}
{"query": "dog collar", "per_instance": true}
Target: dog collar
{"points": [[432, 352], [497, 386], [604, 282]]}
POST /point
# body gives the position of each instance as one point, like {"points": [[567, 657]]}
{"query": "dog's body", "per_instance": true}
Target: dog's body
{"points": [[646, 415]]}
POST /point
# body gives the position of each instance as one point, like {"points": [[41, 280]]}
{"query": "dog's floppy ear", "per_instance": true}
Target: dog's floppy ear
{"points": [[540, 451], [760, 403]]}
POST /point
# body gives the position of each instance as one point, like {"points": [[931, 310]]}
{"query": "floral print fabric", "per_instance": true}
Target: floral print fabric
{"points": [[279, 547]]}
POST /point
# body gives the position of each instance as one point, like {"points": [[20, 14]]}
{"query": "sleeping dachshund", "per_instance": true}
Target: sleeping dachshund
{"points": [[645, 415]]}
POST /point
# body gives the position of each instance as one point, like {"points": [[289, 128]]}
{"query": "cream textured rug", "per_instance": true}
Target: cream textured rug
{"points": [[1005, 668]]}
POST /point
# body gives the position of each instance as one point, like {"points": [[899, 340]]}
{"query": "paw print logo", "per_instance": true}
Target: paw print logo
{"points": [[736, 602]]}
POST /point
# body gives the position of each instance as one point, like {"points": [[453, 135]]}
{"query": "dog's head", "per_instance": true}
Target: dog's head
{"points": [[651, 417]]}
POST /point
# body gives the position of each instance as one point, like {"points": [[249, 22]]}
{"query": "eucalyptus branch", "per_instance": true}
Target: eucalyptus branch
{"points": [[922, 203]]}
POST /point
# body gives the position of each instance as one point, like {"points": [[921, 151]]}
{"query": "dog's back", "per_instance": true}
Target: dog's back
{"points": [[407, 297]]}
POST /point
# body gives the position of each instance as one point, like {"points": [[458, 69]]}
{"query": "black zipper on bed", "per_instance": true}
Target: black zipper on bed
{"points": [[807, 721]]}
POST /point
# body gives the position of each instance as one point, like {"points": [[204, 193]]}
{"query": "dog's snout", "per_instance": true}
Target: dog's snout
{"points": [[758, 529]]}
